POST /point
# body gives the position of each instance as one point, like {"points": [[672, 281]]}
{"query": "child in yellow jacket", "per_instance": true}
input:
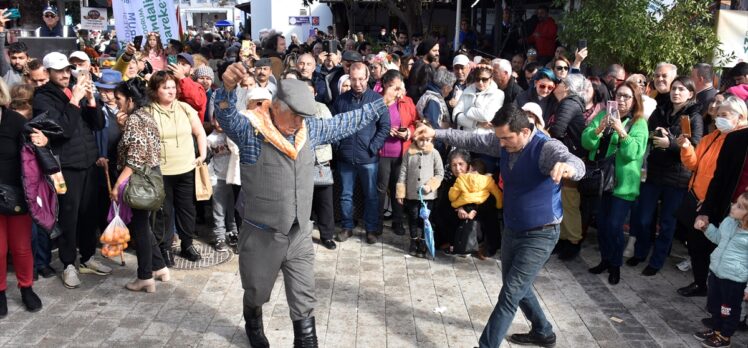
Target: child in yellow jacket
{"points": [[474, 187]]}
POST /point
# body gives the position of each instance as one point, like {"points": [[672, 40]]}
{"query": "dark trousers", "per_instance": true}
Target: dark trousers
{"points": [[42, 247], [642, 219], [147, 251], [179, 208], [389, 170], [699, 249], [610, 219], [324, 212], [415, 223], [77, 226], [723, 302]]}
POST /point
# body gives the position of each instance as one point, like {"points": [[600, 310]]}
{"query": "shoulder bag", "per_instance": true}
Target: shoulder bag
{"points": [[145, 189]]}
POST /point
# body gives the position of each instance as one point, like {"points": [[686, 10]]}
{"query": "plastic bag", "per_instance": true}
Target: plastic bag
{"points": [[115, 236]]}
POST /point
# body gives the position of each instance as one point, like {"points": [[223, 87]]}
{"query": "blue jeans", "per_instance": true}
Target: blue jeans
{"points": [[523, 254], [610, 219], [368, 174], [40, 244], [641, 221]]}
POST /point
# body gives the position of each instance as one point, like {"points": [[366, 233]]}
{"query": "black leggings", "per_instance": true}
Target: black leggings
{"points": [[149, 256], [415, 223], [179, 208], [324, 212]]}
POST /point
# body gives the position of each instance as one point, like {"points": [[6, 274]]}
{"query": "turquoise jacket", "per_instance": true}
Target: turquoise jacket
{"points": [[730, 259]]}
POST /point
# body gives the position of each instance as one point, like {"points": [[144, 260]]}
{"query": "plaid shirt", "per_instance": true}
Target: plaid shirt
{"points": [[321, 131]]}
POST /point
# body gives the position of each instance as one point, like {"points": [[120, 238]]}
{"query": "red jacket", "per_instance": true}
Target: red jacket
{"points": [[544, 37], [193, 93], [408, 116]]}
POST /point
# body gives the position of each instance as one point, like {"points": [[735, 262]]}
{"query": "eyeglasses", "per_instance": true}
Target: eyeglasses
{"points": [[484, 79], [562, 67], [49, 15], [545, 87], [660, 76], [624, 97]]}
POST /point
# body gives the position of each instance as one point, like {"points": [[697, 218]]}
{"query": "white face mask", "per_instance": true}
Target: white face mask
{"points": [[724, 125]]}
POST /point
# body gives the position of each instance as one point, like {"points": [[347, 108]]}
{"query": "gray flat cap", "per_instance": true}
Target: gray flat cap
{"points": [[263, 62], [352, 56], [297, 95]]}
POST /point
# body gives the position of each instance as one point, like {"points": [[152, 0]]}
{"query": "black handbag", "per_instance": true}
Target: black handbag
{"points": [[12, 200], [466, 237], [599, 178]]}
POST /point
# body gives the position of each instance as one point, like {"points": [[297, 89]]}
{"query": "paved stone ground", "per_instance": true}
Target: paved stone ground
{"points": [[369, 296]]}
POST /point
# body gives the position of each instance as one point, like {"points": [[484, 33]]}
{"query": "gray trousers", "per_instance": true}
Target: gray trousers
{"points": [[262, 253], [223, 209]]}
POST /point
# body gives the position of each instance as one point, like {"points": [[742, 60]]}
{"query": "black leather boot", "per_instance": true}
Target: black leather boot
{"points": [[304, 333], [168, 257], [253, 327]]}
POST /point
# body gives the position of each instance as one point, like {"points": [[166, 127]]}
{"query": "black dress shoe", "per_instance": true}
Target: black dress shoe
{"points": [[253, 327], [570, 251], [692, 290], [343, 235], [47, 272], [398, 229], [560, 246], [190, 253], [3, 305], [371, 238], [328, 243], [634, 261], [615, 275], [600, 268], [32, 302], [533, 339], [304, 333], [649, 271]]}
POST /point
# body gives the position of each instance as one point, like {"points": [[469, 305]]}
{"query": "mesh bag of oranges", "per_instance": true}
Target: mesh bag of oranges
{"points": [[115, 236]]}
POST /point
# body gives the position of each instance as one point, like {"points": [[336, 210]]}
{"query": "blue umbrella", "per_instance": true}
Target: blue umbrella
{"points": [[223, 24], [428, 231]]}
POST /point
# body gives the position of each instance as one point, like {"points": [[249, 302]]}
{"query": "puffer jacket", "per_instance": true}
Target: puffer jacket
{"points": [[547, 104], [702, 160], [77, 145], [567, 124], [421, 167], [730, 259], [363, 146], [477, 106], [664, 166], [474, 188]]}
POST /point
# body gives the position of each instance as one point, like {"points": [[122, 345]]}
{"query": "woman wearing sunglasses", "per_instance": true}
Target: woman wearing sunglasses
{"points": [[561, 67], [479, 102], [541, 93]]}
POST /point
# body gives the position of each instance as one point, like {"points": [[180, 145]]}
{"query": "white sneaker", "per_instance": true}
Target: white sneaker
{"points": [[70, 277], [684, 265], [94, 266], [629, 250]]}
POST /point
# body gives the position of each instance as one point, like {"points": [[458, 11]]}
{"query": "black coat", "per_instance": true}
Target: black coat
{"points": [[664, 166], [548, 104], [76, 147], [730, 165], [511, 91], [568, 124]]}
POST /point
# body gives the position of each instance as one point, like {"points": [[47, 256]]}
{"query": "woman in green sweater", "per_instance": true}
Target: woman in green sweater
{"points": [[626, 137]]}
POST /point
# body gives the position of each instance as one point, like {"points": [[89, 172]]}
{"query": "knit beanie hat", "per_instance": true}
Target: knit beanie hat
{"points": [[425, 46], [204, 70]]}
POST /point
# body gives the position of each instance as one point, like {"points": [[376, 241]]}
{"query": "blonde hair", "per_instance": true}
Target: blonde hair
{"points": [[736, 106], [199, 60], [4, 94]]}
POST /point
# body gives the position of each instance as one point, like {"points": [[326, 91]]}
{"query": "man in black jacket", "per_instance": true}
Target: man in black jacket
{"points": [[502, 75], [74, 109]]}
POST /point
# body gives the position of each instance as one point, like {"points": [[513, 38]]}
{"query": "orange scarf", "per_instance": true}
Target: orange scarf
{"points": [[263, 124]]}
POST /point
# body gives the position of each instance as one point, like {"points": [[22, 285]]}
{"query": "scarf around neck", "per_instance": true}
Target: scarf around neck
{"points": [[263, 124]]}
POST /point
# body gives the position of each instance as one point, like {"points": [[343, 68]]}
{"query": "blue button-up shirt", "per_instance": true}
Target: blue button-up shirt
{"points": [[320, 131]]}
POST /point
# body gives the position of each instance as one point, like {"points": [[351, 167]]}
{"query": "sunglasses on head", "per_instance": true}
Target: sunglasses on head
{"points": [[562, 67]]}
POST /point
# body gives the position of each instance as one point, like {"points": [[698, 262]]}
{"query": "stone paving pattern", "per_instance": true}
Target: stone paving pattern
{"points": [[368, 296]]}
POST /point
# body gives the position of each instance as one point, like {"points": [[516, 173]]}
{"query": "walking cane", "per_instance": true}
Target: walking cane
{"points": [[109, 187]]}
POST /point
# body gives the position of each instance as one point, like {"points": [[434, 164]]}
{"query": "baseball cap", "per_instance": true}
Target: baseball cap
{"points": [[56, 61], [50, 9], [80, 55], [352, 56], [187, 57], [460, 59], [259, 93]]}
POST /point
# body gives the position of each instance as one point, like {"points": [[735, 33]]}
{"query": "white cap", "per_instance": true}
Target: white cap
{"points": [[80, 55], [259, 93], [55, 60], [460, 59], [535, 109]]}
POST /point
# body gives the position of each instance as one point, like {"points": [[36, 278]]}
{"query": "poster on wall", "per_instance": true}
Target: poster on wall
{"points": [[732, 31], [94, 18], [139, 17]]}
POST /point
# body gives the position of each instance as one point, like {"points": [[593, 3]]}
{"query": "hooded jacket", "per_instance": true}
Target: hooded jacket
{"points": [[77, 145], [664, 166], [730, 259], [474, 188], [421, 167], [476, 106]]}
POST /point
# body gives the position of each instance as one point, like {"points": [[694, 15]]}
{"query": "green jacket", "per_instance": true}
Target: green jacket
{"points": [[629, 158]]}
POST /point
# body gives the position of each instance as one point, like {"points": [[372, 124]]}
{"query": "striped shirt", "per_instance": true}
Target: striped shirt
{"points": [[321, 131]]}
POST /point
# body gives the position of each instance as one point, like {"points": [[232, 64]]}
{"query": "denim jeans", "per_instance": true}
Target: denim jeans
{"points": [[368, 174], [641, 221], [523, 254], [611, 216], [42, 247], [223, 210]]}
